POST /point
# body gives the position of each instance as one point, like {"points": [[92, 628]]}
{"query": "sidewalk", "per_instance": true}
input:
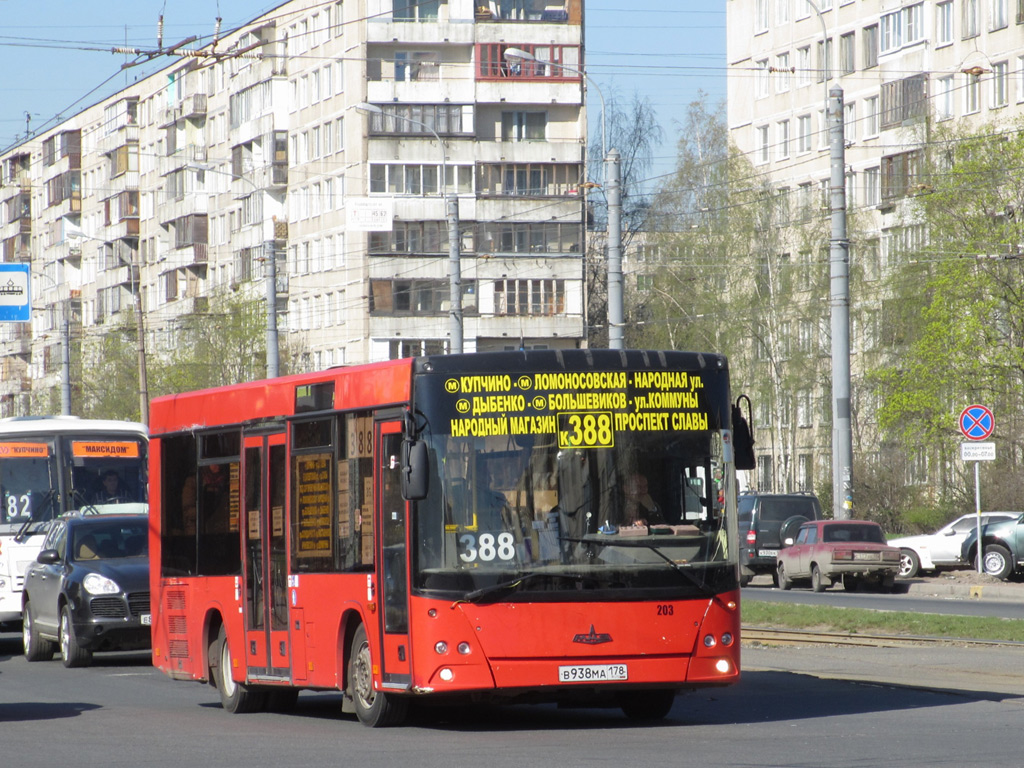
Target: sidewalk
{"points": [[988, 672]]}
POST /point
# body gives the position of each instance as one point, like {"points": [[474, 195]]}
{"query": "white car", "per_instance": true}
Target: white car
{"points": [[931, 551]]}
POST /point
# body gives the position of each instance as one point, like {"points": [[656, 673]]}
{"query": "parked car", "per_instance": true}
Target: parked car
{"points": [[941, 549], [1003, 551], [768, 522], [827, 551], [88, 589]]}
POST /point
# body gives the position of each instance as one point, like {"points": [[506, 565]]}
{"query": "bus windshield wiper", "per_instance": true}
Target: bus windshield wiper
{"points": [[685, 569], [505, 587]]}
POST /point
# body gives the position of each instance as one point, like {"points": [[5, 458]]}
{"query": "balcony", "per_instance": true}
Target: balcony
{"points": [[127, 274], [536, 11]]}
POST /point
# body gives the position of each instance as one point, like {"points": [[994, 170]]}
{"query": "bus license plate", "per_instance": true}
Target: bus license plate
{"points": [[592, 673], [147, 619]]}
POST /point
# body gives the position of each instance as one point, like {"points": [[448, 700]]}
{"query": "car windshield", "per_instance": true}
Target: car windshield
{"points": [[109, 540], [853, 533]]}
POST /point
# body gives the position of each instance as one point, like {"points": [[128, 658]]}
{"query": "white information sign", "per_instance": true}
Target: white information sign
{"points": [[370, 214], [977, 451]]}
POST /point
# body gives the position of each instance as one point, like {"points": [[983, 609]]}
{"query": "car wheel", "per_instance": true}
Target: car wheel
{"points": [[373, 708], [647, 705], [235, 698], [784, 581], [997, 561], [910, 564], [817, 582], [36, 648], [74, 654]]}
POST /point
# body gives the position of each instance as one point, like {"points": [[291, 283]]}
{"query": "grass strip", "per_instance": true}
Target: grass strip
{"points": [[855, 620]]}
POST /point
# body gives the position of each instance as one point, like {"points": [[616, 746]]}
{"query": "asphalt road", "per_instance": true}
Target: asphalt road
{"points": [[793, 707]]}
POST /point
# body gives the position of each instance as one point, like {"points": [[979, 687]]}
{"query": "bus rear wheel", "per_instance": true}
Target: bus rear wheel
{"points": [[647, 705], [373, 708], [234, 697]]}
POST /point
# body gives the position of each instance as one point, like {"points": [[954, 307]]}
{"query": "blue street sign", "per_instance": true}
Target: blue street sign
{"points": [[977, 422], [14, 299]]}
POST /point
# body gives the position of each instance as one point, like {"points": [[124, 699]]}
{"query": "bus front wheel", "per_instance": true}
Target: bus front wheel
{"points": [[234, 697], [647, 705], [373, 708]]}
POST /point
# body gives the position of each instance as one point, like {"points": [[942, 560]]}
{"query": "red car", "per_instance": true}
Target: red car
{"points": [[828, 551]]}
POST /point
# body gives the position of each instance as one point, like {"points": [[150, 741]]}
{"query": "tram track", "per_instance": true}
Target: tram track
{"points": [[776, 636]]}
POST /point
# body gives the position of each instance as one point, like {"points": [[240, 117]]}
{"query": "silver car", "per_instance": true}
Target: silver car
{"points": [[931, 551]]}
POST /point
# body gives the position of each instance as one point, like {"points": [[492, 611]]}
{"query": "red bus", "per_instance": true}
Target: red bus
{"points": [[537, 526]]}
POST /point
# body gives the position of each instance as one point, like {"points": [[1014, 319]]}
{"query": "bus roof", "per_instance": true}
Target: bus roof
{"points": [[362, 386], [34, 425]]}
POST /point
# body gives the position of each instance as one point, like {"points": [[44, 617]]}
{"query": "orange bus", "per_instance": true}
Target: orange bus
{"points": [[518, 526]]}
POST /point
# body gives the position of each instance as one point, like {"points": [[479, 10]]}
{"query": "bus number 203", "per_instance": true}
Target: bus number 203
{"points": [[487, 547]]}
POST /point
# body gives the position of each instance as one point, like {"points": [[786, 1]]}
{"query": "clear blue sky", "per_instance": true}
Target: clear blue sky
{"points": [[55, 54]]}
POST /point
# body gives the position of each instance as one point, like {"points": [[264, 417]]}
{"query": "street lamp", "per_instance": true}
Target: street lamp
{"points": [[613, 194], [270, 256], [452, 216]]}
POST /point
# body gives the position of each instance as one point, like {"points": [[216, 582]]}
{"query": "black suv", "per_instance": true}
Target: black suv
{"points": [[768, 522], [88, 589]]}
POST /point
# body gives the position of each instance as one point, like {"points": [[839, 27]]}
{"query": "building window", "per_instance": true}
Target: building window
{"points": [[803, 65], [944, 98], [869, 45], [553, 62], [529, 297], [782, 69], [529, 179], [970, 18], [899, 173], [411, 238], [944, 23], [445, 119], [850, 121], [417, 179], [903, 101], [783, 142], [999, 90], [972, 90], [760, 16], [418, 297], [763, 144], [847, 61], [803, 135], [761, 82], [870, 117], [416, 66], [523, 126], [782, 12], [824, 60], [415, 10], [998, 17]]}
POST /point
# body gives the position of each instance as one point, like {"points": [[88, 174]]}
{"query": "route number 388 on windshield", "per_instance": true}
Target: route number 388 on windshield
{"points": [[487, 547], [586, 430]]}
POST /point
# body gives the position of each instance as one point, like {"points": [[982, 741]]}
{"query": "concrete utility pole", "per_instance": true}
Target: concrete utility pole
{"points": [[839, 301]]}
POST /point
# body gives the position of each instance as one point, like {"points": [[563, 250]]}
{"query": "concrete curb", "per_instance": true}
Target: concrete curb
{"points": [[935, 588]]}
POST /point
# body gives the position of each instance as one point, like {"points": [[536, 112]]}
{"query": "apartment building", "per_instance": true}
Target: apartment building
{"points": [[321, 138], [902, 65]]}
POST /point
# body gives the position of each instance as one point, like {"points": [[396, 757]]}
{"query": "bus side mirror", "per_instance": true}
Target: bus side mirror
{"points": [[742, 437], [415, 470]]}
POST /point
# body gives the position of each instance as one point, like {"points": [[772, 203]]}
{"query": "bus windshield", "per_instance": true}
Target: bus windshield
{"points": [[28, 481], [544, 503], [43, 476]]}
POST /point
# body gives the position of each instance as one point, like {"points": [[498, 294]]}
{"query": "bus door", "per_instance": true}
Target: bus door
{"points": [[392, 573], [266, 560]]}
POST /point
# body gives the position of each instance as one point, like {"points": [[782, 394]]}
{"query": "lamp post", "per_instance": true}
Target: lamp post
{"points": [[270, 256], [452, 217], [613, 194], [839, 291]]}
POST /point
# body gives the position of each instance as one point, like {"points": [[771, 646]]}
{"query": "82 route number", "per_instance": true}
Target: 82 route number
{"points": [[586, 430]]}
